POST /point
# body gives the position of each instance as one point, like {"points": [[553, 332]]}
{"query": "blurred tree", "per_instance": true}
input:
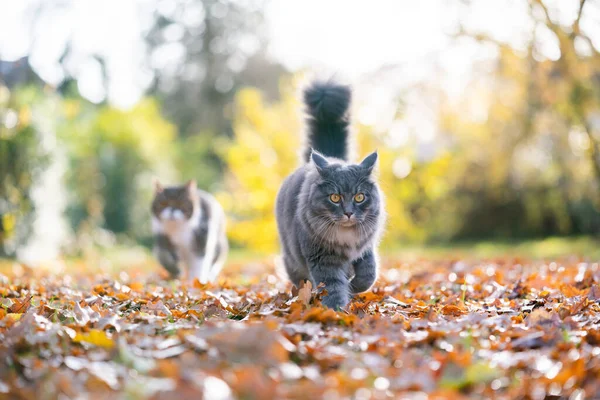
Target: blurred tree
{"points": [[198, 53], [543, 133], [262, 153], [113, 156], [19, 72], [31, 197], [576, 75], [195, 157], [202, 52], [520, 170], [198, 50], [20, 160]]}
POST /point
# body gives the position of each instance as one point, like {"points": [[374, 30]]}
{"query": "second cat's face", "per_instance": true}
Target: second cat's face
{"points": [[345, 195], [174, 202]]}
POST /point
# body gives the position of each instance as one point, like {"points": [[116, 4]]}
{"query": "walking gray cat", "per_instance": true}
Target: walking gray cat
{"points": [[330, 212], [189, 229]]}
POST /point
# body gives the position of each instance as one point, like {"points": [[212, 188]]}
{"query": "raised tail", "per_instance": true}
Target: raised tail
{"points": [[328, 123]]}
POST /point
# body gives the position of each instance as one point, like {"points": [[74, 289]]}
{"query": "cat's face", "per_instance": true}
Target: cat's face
{"points": [[345, 195], [174, 202]]}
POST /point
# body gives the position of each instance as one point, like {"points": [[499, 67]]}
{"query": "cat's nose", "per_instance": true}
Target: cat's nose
{"points": [[348, 214]]}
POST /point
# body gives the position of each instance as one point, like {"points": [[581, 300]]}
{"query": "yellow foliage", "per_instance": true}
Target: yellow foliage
{"points": [[8, 221], [263, 153], [142, 126], [265, 149], [498, 166]]}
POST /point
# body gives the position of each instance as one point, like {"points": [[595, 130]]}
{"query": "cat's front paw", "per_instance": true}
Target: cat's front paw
{"points": [[335, 301]]}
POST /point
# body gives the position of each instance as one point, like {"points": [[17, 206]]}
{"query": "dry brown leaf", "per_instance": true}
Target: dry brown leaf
{"points": [[305, 293]]}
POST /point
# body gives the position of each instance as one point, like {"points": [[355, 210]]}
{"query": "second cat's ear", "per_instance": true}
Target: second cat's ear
{"points": [[319, 161], [158, 187], [369, 162], [191, 186]]}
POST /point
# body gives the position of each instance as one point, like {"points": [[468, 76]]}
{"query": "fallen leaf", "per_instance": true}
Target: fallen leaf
{"points": [[136, 286], [95, 337], [14, 316], [594, 293], [540, 318], [456, 310], [20, 305], [305, 293]]}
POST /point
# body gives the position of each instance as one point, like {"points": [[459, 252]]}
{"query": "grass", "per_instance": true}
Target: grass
{"points": [[140, 259], [553, 247]]}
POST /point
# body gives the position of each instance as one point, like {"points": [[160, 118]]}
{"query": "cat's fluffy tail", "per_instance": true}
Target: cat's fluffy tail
{"points": [[328, 126]]}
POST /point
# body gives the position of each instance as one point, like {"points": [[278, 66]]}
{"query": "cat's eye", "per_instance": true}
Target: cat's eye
{"points": [[359, 197], [335, 198]]}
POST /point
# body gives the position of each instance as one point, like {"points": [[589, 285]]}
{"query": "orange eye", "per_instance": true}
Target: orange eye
{"points": [[359, 198], [335, 198]]}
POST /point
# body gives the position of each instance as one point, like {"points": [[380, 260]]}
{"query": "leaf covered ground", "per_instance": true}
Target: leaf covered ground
{"points": [[501, 328]]}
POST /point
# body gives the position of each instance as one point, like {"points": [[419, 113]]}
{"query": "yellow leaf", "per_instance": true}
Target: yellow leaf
{"points": [[14, 316], [95, 337]]}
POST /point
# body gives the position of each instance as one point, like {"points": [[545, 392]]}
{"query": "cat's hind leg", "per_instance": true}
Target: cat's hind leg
{"points": [[297, 275], [199, 269], [222, 250]]}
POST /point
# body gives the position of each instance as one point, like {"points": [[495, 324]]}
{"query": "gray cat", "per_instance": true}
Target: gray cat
{"points": [[189, 229], [330, 212]]}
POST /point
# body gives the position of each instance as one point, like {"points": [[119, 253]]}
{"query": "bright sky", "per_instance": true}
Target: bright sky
{"points": [[358, 39], [349, 38]]}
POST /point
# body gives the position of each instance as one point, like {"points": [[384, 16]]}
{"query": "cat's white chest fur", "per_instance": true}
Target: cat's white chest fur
{"points": [[345, 237], [348, 240], [180, 233], [174, 225]]}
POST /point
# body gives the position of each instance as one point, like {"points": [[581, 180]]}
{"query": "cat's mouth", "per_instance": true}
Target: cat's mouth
{"points": [[174, 220], [348, 222]]}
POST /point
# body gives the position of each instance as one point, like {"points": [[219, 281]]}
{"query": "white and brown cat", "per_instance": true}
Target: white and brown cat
{"points": [[189, 231]]}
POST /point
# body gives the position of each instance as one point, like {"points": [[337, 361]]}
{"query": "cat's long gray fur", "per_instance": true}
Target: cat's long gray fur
{"points": [[323, 241]]}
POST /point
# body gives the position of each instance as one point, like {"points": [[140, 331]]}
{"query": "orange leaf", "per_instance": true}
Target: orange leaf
{"points": [[21, 305], [305, 293], [136, 286], [451, 309], [198, 285], [122, 296]]}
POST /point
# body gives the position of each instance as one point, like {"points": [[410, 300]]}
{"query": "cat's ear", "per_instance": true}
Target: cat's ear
{"points": [[158, 187], [369, 162], [319, 161], [191, 186]]}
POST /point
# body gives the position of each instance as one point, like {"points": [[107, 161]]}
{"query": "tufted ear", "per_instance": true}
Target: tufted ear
{"points": [[369, 162], [191, 186], [319, 161], [157, 185]]}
